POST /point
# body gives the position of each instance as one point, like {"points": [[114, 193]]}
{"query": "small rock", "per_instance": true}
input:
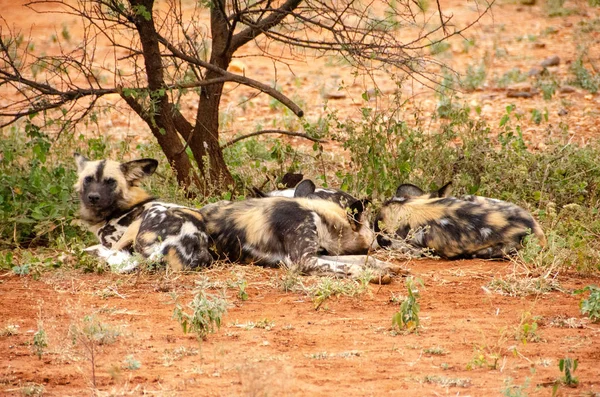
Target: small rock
{"points": [[554, 60], [520, 94], [520, 90], [487, 109], [567, 89], [534, 72], [521, 87], [563, 112], [334, 95], [527, 2], [539, 45]]}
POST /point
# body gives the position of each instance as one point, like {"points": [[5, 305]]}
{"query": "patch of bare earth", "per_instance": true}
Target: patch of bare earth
{"points": [[276, 343]]}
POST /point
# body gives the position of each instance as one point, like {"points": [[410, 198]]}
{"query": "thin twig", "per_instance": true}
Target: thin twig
{"points": [[261, 132]]}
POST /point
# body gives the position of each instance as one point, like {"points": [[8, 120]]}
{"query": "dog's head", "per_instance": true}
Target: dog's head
{"points": [[106, 186], [393, 217]]}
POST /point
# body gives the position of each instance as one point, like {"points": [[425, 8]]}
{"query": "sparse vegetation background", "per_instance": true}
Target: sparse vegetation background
{"points": [[512, 115]]}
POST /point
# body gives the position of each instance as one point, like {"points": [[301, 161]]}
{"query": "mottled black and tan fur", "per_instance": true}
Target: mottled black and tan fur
{"points": [[126, 219], [308, 189], [465, 227], [296, 232]]}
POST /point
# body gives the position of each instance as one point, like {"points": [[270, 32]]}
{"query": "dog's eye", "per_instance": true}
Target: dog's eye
{"points": [[88, 179], [110, 181]]}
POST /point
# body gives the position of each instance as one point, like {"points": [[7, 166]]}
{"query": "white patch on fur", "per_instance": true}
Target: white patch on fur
{"points": [[268, 256], [337, 266], [289, 193], [445, 222], [119, 261], [320, 189], [485, 232]]}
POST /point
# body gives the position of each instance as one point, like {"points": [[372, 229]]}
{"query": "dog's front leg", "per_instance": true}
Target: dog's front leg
{"points": [[353, 266], [119, 261]]}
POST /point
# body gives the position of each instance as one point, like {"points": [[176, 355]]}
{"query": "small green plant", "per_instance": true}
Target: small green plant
{"points": [[512, 390], [21, 270], [483, 358], [407, 318], [95, 331], [326, 287], [242, 294], [436, 351], [32, 390], [538, 116], [290, 281], [591, 305], [40, 341], [439, 47], [171, 355], [447, 382], [567, 366], [89, 333], [527, 330], [512, 76], [584, 78], [9, 330], [555, 8], [206, 315], [265, 324], [474, 77], [131, 363]]}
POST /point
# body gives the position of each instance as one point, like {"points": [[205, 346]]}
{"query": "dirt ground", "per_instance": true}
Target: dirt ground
{"points": [[276, 343]]}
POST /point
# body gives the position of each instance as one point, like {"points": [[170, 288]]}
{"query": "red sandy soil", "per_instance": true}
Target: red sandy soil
{"points": [[347, 347]]}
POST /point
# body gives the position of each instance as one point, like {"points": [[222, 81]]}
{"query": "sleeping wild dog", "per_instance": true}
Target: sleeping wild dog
{"points": [[295, 232], [308, 189], [464, 227], [125, 218]]}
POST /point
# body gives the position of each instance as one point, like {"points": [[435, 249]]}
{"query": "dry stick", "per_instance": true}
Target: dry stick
{"points": [[442, 18], [261, 132]]}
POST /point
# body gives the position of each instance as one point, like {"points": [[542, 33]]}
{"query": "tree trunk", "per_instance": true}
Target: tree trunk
{"points": [[205, 139], [161, 122]]}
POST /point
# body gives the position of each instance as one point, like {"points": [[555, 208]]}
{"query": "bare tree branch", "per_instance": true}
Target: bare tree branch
{"points": [[262, 132], [228, 76]]}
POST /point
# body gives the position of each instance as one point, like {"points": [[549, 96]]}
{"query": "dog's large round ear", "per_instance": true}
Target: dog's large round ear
{"points": [[305, 188], [290, 179], [256, 192], [356, 209], [80, 161], [442, 192], [137, 169], [407, 190]]}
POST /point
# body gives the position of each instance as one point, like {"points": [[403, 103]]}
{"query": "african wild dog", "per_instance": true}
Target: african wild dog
{"points": [[273, 230], [308, 189], [125, 218], [465, 227]]}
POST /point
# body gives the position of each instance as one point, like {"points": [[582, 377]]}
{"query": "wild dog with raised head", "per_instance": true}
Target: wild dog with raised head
{"points": [[465, 227], [126, 219], [295, 232]]}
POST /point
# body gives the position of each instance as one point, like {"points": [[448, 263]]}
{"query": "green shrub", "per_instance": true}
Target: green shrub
{"points": [[36, 193], [206, 315], [407, 318], [591, 305]]}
